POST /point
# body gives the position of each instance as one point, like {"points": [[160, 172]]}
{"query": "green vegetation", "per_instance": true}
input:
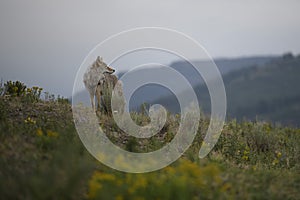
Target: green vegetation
{"points": [[42, 157]]}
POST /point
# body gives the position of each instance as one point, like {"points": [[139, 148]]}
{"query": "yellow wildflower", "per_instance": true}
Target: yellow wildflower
{"points": [[278, 154], [95, 183], [30, 121], [15, 89], [246, 153], [245, 157], [106, 177], [119, 197], [39, 132], [94, 186], [275, 162], [52, 133], [226, 187]]}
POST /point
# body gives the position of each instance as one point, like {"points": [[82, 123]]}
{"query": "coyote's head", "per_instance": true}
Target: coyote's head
{"points": [[102, 66]]}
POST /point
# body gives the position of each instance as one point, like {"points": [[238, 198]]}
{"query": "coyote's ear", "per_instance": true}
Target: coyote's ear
{"points": [[99, 59]]}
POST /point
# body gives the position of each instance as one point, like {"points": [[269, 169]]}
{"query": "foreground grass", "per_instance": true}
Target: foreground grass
{"points": [[42, 157]]}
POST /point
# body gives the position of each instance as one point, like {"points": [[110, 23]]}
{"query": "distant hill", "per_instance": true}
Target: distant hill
{"points": [[155, 94], [225, 66], [270, 92], [265, 88], [152, 93]]}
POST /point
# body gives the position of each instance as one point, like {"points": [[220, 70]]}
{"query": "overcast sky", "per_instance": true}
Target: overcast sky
{"points": [[44, 42]]}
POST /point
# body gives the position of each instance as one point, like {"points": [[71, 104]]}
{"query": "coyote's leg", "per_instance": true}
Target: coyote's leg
{"points": [[98, 97], [92, 97]]}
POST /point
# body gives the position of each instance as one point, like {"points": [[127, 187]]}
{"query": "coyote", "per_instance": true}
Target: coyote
{"points": [[104, 95], [94, 77]]}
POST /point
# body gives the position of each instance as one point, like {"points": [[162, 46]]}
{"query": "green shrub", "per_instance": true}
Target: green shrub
{"points": [[16, 88], [33, 94], [2, 88]]}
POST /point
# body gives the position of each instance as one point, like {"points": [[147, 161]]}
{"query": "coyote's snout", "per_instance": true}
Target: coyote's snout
{"points": [[94, 76], [110, 70]]}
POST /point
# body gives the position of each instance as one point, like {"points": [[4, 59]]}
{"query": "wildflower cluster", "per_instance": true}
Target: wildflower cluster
{"points": [[16, 88], [34, 93], [48, 133], [29, 120], [19, 89], [187, 180], [278, 158], [246, 153]]}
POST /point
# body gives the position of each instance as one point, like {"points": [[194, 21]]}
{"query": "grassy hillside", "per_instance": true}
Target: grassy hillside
{"points": [[42, 157]]}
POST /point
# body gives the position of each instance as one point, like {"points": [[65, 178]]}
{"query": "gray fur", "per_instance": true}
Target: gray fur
{"points": [[95, 75]]}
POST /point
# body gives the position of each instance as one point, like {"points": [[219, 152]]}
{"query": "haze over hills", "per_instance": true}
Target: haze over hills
{"points": [[153, 93], [265, 88], [225, 65], [268, 92]]}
